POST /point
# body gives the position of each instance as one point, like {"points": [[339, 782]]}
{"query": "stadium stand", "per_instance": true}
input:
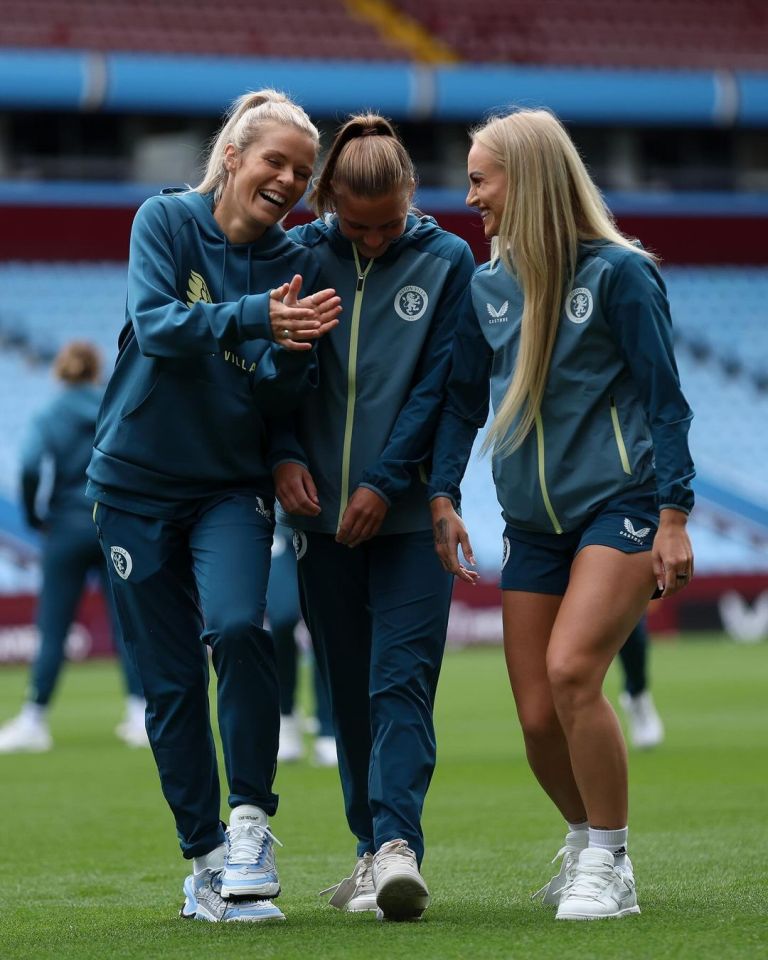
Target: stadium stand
{"points": [[638, 33], [292, 28]]}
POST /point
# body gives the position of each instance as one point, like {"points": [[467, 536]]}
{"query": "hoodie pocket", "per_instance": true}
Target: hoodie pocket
{"points": [[622, 447]]}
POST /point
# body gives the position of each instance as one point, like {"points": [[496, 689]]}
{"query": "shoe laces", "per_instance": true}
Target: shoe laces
{"points": [[359, 882], [571, 855], [392, 851], [590, 880], [250, 843]]}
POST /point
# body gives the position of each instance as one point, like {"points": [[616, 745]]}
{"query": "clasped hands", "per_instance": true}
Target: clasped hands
{"points": [[295, 323]]}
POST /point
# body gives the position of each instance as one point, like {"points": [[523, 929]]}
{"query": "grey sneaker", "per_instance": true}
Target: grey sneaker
{"points": [[401, 893], [249, 866], [575, 842], [203, 901], [355, 893]]}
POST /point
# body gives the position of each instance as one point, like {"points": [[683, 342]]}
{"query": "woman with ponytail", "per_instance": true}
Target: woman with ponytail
{"points": [[350, 478], [568, 328], [216, 344]]}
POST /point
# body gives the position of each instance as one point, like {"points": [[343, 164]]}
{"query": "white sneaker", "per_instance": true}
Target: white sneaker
{"points": [[291, 745], [645, 727], [249, 864], [203, 901], [325, 752], [355, 893], [24, 735], [599, 889], [401, 893], [575, 842], [133, 732]]}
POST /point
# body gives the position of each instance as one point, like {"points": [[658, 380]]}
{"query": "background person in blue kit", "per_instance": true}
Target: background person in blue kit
{"points": [[645, 725], [284, 615], [183, 491], [568, 326], [351, 483], [54, 457]]}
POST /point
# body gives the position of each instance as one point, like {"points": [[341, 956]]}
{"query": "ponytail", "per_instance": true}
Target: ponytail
{"points": [[366, 157]]}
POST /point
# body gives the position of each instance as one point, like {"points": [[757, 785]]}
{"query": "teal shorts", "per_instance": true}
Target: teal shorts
{"points": [[537, 562]]}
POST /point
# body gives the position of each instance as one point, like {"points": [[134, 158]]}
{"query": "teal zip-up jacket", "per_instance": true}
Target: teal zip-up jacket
{"points": [[198, 372], [383, 371], [613, 418], [55, 454]]}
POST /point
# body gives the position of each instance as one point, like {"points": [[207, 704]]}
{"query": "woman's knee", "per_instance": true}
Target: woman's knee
{"points": [[235, 630], [539, 722], [573, 680]]}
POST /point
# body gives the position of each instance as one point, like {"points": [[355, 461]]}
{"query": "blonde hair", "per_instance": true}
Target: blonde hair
{"points": [[551, 205], [78, 362], [246, 118], [367, 158]]}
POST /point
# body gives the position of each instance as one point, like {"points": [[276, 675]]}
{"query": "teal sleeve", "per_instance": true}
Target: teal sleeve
{"points": [[639, 318], [167, 326]]}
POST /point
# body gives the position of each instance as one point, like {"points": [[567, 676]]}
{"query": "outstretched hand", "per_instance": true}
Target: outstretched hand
{"points": [[295, 323]]}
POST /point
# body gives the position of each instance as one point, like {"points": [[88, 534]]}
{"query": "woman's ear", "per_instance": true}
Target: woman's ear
{"points": [[231, 156]]}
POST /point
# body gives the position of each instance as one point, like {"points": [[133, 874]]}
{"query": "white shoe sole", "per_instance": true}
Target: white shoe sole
{"points": [[402, 898], [599, 916]]}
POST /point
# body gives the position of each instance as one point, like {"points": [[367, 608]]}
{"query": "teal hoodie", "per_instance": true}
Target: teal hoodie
{"points": [[55, 454], [198, 373], [613, 418], [383, 371]]}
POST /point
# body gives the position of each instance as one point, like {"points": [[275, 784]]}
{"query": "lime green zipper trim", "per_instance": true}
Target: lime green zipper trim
{"points": [[542, 474], [620, 439], [354, 335]]}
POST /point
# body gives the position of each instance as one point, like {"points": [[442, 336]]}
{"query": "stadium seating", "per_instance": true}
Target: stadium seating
{"points": [[291, 28], [638, 33]]}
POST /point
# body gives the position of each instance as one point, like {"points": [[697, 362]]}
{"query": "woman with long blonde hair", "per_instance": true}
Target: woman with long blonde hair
{"points": [[568, 328]]}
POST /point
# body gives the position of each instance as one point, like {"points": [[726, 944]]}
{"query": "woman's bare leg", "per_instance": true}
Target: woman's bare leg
{"points": [[528, 623], [607, 593]]}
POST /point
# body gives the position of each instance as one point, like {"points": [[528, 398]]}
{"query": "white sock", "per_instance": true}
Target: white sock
{"points": [[578, 834], [135, 708], [34, 713], [613, 840], [211, 861], [247, 811]]}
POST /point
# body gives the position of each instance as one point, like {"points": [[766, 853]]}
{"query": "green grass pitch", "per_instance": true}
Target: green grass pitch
{"points": [[90, 867]]}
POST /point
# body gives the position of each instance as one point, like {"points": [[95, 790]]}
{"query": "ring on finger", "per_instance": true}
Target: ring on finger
{"points": [[285, 333], [681, 576]]}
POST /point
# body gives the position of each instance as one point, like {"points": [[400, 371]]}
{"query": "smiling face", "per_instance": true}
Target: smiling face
{"points": [[372, 223], [487, 187], [265, 181]]}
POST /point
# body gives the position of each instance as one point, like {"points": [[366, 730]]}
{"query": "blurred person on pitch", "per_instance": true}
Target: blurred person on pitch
{"points": [[351, 482], [645, 726], [216, 342], [54, 458], [568, 329], [284, 615]]}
